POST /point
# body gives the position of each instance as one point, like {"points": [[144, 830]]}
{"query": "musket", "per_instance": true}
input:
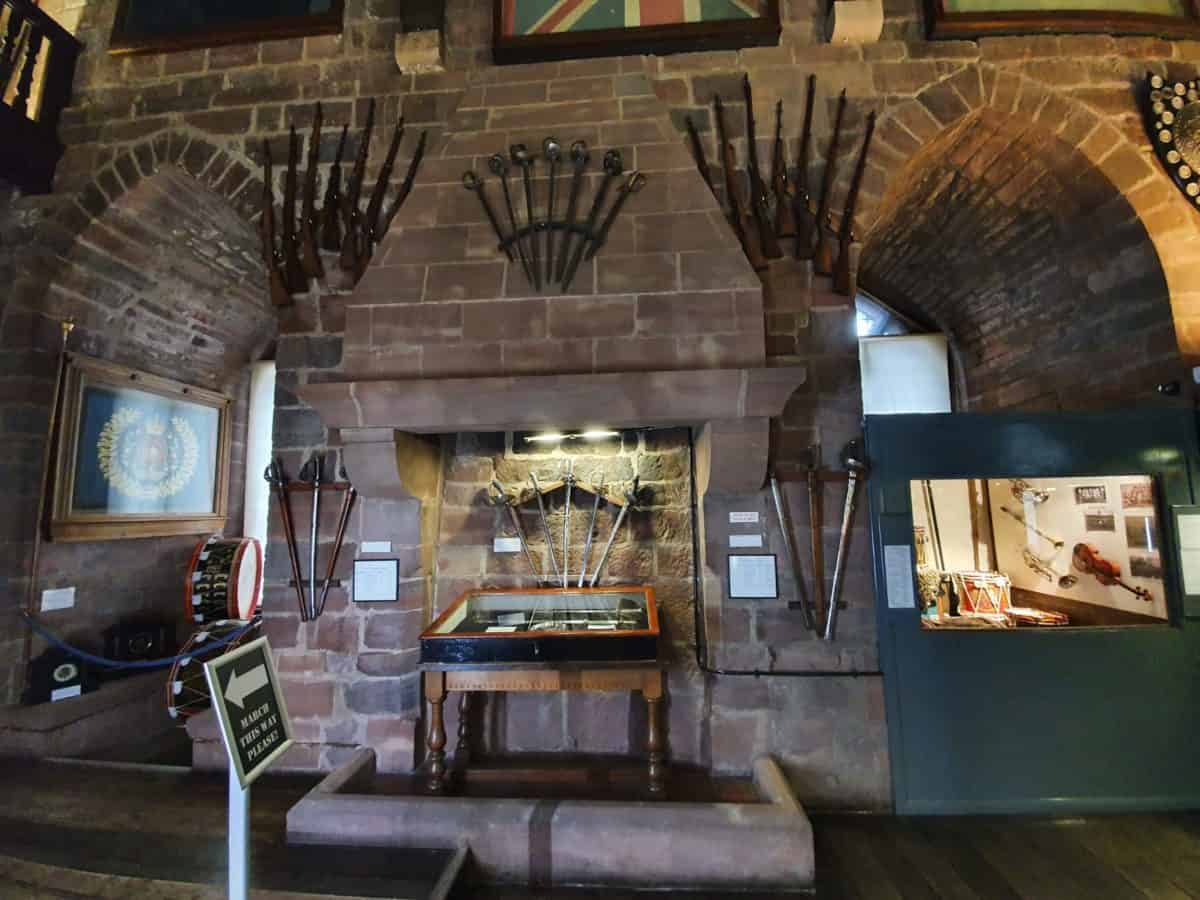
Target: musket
{"points": [[331, 209], [293, 272], [758, 191], [405, 187], [737, 213], [310, 257], [266, 231], [823, 260], [841, 269], [698, 154], [785, 218], [351, 215], [801, 201], [375, 205]]}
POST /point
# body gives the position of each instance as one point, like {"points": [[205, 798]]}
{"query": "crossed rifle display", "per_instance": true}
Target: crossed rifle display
{"points": [[525, 243]]}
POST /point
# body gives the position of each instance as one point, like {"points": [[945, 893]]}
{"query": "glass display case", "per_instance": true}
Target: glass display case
{"points": [[604, 624]]}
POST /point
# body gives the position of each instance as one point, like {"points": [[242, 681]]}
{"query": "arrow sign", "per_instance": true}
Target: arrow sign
{"points": [[242, 686]]}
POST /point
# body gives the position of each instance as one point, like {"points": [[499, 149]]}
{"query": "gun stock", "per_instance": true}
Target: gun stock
{"points": [[310, 257], [823, 260], [758, 191], [375, 206], [785, 217], [331, 209], [698, 154], [353, 218], [802, 200], [406, 187], [741, 217], [266, 231], [293, 272], [841, 268]]}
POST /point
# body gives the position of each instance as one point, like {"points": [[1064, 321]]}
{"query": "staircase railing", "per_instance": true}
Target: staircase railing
{"points": [[37, 66]]}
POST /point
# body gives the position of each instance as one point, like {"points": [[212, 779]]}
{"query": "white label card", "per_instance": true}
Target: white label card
{"points": [[743, 518], [1189, 532], [60, 598], [752, 578], [506, 545], [897, 564], [375, 580], [1189, 562], [66, 693], [375, 547], [501, 629], [745, 540]]}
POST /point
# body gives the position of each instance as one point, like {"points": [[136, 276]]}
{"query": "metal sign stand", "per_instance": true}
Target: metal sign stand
{"points": [[239, 836]]}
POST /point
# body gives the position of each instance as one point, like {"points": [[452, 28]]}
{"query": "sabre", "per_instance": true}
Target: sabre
{"points": [[587, 546], [579, 161], [569, 483], [856, 468], [348, 499], [785, 531], [552, 150], [630, 500], [472, 183], [520, 156], [499, 167], [313, 470], [634, 184], [613, 166], [275, 478], [545, 525], [503, 497]]}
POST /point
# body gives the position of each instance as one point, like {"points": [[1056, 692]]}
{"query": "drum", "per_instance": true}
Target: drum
{"points": [[223, 580], [187, 688]]}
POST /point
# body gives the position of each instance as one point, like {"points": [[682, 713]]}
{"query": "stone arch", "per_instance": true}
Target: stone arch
{"points": [[1106, 143]]}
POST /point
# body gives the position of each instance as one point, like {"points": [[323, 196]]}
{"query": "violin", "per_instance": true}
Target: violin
{"points": [[1087, 558]]}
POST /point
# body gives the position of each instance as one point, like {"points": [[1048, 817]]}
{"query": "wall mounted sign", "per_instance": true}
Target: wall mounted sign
{"points": [[157, 26], [376, 580], [530, 30], [752, 577], [958, 19], [138, 455]]}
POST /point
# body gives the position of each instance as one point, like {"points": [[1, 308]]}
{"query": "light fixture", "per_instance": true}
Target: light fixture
{"points": [[555, 437]]}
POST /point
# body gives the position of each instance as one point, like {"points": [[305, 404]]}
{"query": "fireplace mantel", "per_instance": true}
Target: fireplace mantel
{"points": [[730, 408]]}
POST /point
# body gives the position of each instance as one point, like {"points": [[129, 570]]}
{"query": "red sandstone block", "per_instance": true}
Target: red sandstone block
{"points": [[662, 157], [226, 121], [559, 357], [232, 56], [388, 630], [724, 268], [416, 323], [635, 355], [592, 317], [308, 699], [678, 232], [464, 281], [390, 362], [575, 89], [510, 320], [338, 634], [643, 272], [561, 115], [514, 94], [422, 245], [467, 360]]}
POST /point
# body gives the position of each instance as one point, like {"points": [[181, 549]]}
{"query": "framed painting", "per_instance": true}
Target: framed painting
{"points": [[533, 30], [957, 19], [137, 455], [163, 26]]}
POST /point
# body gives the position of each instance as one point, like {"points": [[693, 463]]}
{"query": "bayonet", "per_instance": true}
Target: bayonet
{"points": [[841, 269], [352, 216], [823, 259], [310, 257], [785, 218], [758, 191], [331, 209], [801, 201]]}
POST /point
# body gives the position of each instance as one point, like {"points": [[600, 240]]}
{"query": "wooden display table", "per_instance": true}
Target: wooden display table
{"points": [[441, 678]]}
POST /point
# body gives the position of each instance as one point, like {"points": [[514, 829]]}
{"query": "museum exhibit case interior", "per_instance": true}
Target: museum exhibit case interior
{"points": [[1038, 552]]}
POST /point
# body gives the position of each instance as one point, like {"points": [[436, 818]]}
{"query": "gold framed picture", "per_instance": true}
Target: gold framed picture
{"points": [[972, 19], [137, 455]]}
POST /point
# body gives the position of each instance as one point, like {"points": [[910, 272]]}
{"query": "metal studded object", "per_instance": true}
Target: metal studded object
{"points": [[567, 241], [1171, 112]]}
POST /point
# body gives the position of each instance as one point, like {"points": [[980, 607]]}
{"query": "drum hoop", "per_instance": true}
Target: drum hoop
{"points": [[232, 605], [188, 607]]}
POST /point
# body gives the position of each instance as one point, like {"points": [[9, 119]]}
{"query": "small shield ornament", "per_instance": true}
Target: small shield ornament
{"points": [[1171, 112]]}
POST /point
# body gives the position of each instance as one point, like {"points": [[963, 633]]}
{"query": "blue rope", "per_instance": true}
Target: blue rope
{"points": [[201, 650]]}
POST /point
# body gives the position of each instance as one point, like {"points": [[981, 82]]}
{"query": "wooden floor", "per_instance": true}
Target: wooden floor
{"points": [[73, 832]]}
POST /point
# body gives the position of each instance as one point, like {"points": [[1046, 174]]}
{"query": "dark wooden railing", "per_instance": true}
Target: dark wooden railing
{"points": [[37, 66]]}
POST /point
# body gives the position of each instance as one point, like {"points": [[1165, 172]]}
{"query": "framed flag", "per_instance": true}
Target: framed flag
{"points": [[532, 30], [972, 19], [137, 455]]}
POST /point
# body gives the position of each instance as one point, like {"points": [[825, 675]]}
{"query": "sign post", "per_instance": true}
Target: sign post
{"points": [[256, 731]]}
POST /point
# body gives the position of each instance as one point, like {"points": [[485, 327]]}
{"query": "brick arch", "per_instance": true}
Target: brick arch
{"points": [[1173, 228]]}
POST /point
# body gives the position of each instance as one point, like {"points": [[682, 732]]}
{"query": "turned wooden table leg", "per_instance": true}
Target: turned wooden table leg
{"points": [[435, 693], [462, 751], [656, 737]]}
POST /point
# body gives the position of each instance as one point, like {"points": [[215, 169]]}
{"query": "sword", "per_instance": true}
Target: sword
{"points": [[612, 169], [630, 500], [504, 498], [472, 183], [545, 525], [635, 183], [275, 478], [312, 472], [579, 161], [520, 156], [568, 483], [587, 547], [499, 167], [856, 468], [785, 531], [552, 150]]}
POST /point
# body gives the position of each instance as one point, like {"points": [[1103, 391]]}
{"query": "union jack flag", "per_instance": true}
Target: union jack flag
{"points": [[550, 16]]}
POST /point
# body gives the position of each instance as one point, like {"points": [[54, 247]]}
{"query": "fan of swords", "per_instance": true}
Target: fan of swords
{"points": [[340, 226], [785, 209], [510, 501], [550, 250]]}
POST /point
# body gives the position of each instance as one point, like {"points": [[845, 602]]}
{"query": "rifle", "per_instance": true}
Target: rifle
{"points": [[823, 260], [293, 272], [266, 231], [310, 257], [801, 200], [737, 213], [331, 213], [351, 214], [407, 186], [785, 219], [758, 191], [841, 269], [375, 206], [698, 154]]}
